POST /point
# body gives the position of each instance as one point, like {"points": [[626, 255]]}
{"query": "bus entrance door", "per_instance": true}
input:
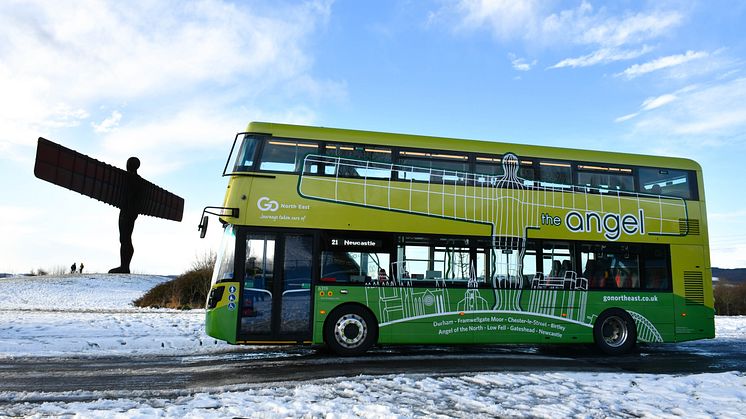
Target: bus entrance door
{"points": [[276, 303]]}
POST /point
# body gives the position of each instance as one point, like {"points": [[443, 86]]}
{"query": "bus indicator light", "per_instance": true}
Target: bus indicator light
{"points": [[461, 313], [322, 312]]}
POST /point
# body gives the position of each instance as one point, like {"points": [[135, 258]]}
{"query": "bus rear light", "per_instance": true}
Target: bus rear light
{"points": [[329, 279]]}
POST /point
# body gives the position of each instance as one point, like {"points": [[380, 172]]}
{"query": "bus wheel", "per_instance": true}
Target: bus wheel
{"points": [[350, 330], [615, 332]]}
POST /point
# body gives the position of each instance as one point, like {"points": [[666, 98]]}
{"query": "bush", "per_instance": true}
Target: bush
{"points": [[58, 270], [730, 298], [187, 291]]}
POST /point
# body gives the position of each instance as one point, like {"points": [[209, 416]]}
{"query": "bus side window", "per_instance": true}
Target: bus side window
{"points": [[416, 264], [656, 275], [530, 261], [667, 182], [555, 175], [597, 177], [352, 267], [280, 155], [358, 161], [557, 259], [622, 266]]}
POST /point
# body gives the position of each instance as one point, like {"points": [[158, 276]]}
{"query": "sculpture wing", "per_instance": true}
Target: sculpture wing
{"points": [[75, 171]]}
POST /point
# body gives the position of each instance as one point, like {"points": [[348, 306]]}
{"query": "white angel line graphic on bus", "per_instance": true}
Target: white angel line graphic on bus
{"points": [[509, 204]]}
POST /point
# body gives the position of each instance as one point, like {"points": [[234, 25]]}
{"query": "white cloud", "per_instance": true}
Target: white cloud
{"points": [[615, 32], [656, 102], [612, 37], [109, 124], [626, 117], [146, 53], [505, 18], [711, 115], [521, 64], [602, 56], [637, 70], [649, 104]]}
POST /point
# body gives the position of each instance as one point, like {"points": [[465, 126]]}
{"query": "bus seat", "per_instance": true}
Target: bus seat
{"points": [[589, 267], [556, 266], [595, 182]]}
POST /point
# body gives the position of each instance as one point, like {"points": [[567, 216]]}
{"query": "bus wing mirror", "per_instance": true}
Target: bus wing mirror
{"points": [[222, 212], [202, 227]]}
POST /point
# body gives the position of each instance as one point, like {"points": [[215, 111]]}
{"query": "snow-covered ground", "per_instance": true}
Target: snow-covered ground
{"points": [[92, 315]]}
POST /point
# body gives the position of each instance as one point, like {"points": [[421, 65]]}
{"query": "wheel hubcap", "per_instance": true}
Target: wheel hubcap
{"points": [[350, 330], [614, 331]]}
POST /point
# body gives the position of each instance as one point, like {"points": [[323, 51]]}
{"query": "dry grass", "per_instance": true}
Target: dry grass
{"points": [[187, 291]]}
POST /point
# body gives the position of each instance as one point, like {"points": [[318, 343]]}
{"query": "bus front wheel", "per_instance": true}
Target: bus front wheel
{"points": [[350, 330], [615, 332]]}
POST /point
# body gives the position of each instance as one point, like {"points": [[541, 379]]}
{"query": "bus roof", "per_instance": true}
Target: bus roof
{"points": [[474, 146]]}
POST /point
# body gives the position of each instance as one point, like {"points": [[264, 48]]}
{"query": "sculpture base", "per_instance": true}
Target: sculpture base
{"points": [[119, 270]]}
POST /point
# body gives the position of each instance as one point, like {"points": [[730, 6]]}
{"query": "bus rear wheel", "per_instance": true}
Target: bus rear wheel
{"points": [[350, 330], [615, 332]]}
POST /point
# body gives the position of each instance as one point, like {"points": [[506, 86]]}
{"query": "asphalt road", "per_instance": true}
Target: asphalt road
{"points": [[83, 378]]}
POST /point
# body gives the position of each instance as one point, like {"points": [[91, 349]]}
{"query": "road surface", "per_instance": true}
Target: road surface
{"points": [[170, 376]]}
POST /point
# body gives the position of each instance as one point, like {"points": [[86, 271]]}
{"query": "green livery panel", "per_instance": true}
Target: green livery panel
{"points": [[461, 316]]}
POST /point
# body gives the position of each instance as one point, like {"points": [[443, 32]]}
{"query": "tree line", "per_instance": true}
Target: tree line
{"points": [[730, 298]]}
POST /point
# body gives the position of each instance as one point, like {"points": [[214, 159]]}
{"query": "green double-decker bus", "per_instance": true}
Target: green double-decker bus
{"points": [[351, 239]]}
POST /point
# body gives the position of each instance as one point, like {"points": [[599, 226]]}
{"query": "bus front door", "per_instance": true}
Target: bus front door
{"points": [[276, 302]]}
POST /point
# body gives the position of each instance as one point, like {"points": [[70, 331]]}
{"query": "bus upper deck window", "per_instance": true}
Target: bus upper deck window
{"points": [[667, 182], [555, 174], [605, 178], [281, 155]]}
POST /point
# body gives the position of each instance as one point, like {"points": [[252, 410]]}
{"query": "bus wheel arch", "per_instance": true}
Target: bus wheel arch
{"points": [[350, 329], [615, 332]]}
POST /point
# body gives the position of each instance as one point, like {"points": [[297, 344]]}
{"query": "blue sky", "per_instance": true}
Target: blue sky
{"points": [[173, 81]]}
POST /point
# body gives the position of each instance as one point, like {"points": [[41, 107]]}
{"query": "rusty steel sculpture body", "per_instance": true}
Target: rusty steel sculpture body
{"points": [[125, 190]]}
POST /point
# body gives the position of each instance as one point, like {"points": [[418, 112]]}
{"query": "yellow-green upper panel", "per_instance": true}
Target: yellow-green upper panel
{"points": [[309, 201]]}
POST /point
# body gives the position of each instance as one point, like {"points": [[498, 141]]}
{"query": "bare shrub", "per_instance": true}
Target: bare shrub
{"points": [[188, 290], [730, 298], [204, 261], [58, 270]]}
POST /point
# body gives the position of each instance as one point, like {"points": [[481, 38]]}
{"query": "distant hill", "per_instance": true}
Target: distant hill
{"points": [[730, 275]]}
